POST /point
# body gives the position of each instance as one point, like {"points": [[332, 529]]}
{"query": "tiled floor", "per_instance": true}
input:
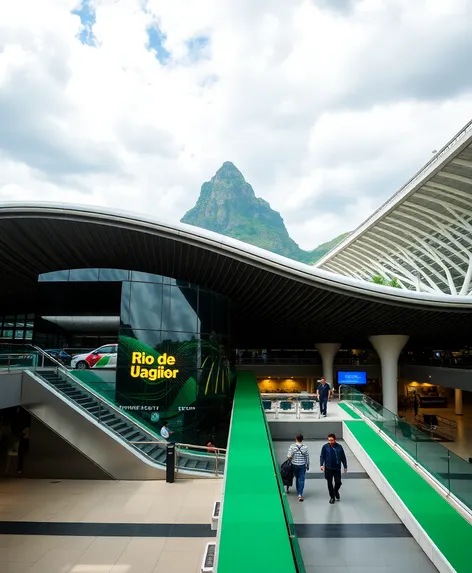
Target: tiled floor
{"points": [[360, 534], [107, 502]]}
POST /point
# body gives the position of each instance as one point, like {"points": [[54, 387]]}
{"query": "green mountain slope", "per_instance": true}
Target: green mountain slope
{"points": [[228, 205]]}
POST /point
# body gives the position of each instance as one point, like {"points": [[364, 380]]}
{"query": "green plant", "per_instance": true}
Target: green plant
{"points": [[379, 280]]}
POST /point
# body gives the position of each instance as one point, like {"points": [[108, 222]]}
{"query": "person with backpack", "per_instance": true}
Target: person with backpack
{"points": [[300, 458], [331, 458]]}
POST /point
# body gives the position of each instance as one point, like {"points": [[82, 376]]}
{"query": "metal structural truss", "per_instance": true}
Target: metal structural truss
{"points": [[422, 236]]}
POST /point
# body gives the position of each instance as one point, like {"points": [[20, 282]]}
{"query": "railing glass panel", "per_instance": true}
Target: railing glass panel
{"points": [[451, 471]]}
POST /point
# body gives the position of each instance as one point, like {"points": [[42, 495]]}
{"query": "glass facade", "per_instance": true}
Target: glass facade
{"points": [[173, 357], [18, 328], [173, 346]]}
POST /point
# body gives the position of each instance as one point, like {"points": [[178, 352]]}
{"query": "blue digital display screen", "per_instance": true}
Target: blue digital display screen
{"points": [[352, 378]]}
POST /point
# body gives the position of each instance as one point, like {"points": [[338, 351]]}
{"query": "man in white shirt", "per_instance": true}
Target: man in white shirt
{"points": [[165, 432]]}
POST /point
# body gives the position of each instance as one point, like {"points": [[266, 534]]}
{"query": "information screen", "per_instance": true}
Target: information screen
{"points": [[353, 378]]}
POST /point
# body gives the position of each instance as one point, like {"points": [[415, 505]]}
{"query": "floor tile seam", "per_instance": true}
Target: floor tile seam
{"points": [[87, 529]]}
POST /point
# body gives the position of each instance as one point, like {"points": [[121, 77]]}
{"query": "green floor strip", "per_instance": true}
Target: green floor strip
{"points": [[253, 528], [349, 411], [448, 530]]}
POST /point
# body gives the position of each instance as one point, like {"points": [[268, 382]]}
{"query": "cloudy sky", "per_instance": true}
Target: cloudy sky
{"points": [[326, 106]]}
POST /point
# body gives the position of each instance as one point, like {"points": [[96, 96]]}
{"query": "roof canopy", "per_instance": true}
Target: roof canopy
{"points": [[277, 302], [423, 235]]}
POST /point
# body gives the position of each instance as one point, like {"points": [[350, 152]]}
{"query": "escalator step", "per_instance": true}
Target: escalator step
{"points": [[128, 427], [151, 450], [129, 431], [202, 465], [119, 427]]}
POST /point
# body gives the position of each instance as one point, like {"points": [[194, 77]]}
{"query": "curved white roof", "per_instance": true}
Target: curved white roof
{"points": [[274, 300], [214, 241]]}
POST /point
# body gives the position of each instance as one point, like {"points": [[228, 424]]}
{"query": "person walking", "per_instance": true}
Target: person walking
{"points": [[416, 404], [331, 458], [299, 455], [323, 393]]}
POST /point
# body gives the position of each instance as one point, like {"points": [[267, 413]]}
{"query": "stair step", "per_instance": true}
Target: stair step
{"points": [[117, 424], [154, 452], [202, 465], [131, 435]]}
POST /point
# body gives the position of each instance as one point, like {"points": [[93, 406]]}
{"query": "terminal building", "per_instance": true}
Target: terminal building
{"points": [[114, 325]]}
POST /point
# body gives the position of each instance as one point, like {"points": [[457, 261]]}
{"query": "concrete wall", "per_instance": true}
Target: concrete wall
{"points": [[310, 429], [447, 377], [10, 389], [51, 457]]}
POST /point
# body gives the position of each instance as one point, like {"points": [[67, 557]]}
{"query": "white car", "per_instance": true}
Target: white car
{"points": [[90, 359], [106, 361]]}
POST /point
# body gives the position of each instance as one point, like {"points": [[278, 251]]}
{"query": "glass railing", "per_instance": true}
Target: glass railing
{"points": [[297, 554], [450, 470]]}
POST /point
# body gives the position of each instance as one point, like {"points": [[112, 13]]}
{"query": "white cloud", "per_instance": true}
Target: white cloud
{"points": [[326, 107]]}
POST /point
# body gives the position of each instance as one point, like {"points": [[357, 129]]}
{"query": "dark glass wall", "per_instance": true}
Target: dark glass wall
{"points": [[173, 357]]}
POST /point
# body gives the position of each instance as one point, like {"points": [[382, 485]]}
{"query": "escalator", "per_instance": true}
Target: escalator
{"points": [[120, 445]]}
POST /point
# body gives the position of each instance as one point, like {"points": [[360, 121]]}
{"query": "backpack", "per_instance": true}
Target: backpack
{"points": [[286, 471]]}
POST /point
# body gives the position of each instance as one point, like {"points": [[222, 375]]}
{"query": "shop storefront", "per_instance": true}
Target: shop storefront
{"points": [[429, 395]]}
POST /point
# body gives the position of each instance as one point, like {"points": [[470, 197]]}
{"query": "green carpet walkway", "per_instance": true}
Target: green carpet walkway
{"points": [[448, 530], [349, 411], [253, 531]]}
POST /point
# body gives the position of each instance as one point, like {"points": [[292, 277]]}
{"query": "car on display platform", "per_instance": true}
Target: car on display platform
{"points": [[90, 359]]}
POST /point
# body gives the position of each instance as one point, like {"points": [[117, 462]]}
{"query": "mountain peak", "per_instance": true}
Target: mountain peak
{"points": [[228, 205], [228, 171]]}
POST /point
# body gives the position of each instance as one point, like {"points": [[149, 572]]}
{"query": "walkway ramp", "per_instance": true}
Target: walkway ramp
{"points": [[442, 532], [255, 527]]}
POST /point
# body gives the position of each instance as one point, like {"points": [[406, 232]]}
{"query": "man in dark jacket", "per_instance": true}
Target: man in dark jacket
{"points": [[323, 393], [331, 458]]}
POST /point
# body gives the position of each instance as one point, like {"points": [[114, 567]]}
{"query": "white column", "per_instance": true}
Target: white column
{"points": [[458, 393], [328, 351], [388, 347]]}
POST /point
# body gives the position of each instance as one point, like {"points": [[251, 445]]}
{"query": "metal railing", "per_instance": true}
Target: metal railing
{"points": [[217, 455], [437, 427]]}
